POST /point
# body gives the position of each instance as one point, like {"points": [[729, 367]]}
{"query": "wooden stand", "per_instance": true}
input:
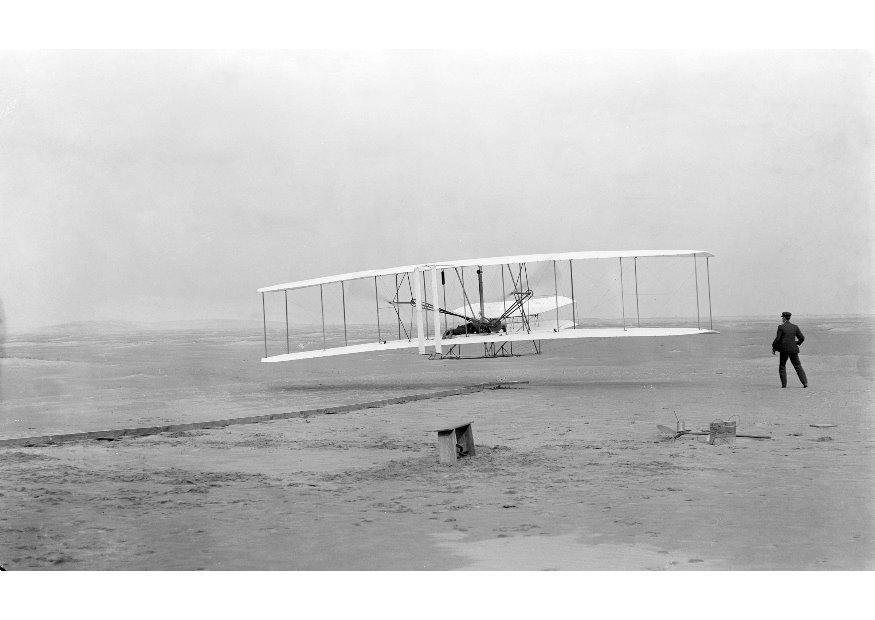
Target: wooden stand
{"points": [[454, 442]]}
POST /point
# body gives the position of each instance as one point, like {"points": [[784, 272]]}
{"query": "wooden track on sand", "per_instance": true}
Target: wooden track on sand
{"points": [[143, 431]]}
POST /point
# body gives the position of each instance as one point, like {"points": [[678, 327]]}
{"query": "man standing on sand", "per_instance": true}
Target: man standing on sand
{"points": [[787, 342]]}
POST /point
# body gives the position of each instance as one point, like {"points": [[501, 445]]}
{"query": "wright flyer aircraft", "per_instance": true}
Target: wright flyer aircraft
{"points": [[488, 305]]}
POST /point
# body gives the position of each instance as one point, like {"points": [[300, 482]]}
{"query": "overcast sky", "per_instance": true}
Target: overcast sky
{"points": [[170, 185]]}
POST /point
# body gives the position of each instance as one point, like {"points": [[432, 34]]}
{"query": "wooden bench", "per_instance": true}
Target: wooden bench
{"points": [[454, 442]]}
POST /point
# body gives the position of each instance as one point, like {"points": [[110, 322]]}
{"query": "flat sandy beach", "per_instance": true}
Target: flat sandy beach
{"points": [[570, 471]]}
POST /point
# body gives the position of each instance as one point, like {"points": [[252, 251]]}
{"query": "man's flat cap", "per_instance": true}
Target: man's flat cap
{"points": [[786, 314]]}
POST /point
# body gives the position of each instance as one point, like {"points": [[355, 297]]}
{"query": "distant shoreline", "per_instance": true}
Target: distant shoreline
{"points": [[113, 326]]}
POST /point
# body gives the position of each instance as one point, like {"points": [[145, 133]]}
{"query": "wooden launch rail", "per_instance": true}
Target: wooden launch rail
{"points": [[124, 433]]}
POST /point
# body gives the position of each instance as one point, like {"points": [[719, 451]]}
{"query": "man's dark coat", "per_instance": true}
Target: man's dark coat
{"points": [[788, 339]]}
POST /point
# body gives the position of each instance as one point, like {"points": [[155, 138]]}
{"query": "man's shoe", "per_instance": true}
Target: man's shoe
{"points": [[805, 385]]}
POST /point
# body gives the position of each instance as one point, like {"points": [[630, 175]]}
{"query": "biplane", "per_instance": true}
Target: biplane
{"points": [[495, 302]]}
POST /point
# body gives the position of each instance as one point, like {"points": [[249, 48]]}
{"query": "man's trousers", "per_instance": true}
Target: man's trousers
{"points": [[782, 368]]}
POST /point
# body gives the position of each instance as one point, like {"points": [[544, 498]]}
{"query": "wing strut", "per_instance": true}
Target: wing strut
{"points": [[525, 268], [420, 327], [288, 347], [410, 289], [322, 308], [444, 288], [696, 274], [504, 299], [425, 300], [343, 300], [398, 314], [436, 316], [556, 294], [573, 313], [622, 295], [503, 293], [377, 300], [710, 315], [637, 311], [464, 297], [264, 322], [480, 290]]}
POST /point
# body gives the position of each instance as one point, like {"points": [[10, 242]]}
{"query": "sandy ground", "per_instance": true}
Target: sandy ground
{"points": [[570, 470]]}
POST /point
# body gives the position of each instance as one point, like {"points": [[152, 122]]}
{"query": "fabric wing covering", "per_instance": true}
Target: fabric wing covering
{"points": [[490, 303]]}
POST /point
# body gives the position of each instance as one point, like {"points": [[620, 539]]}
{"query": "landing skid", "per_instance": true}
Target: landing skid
{"points": [[490, 350]]}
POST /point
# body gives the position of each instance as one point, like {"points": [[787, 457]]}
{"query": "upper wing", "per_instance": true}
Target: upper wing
{"points": [[495, 260]]}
